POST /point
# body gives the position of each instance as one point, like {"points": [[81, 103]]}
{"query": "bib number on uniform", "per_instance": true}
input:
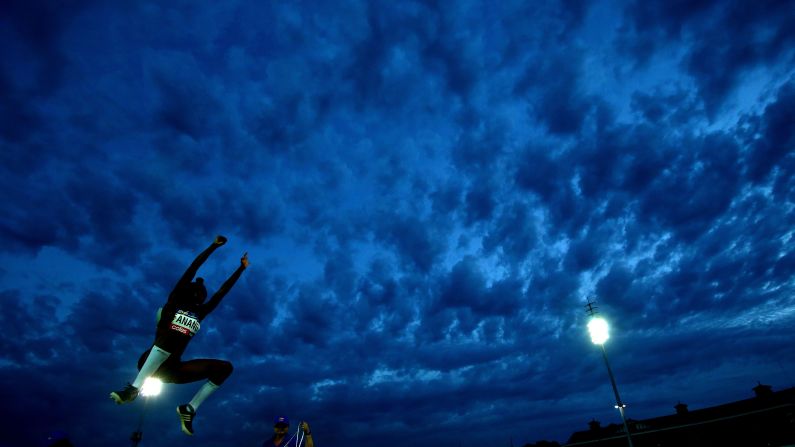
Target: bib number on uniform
{"points": [[185, 323]]}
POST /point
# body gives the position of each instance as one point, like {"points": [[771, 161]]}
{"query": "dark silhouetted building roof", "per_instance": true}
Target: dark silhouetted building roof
{"points": [[768, 419]]}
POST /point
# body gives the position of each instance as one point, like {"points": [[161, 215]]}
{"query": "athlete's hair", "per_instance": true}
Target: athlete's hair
{"points": [[198, 291]]}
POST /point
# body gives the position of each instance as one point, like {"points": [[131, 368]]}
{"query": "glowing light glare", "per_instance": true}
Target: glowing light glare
{"points": [[151, 387], [599, 330]]}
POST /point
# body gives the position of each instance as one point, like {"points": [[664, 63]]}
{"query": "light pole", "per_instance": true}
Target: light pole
{"points": [[150, 388], [599, 331]]}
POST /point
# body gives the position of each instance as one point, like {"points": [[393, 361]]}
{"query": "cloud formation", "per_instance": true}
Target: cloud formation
{"points": [[428, 195]]}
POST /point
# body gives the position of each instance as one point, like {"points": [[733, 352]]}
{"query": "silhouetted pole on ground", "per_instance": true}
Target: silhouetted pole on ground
{"points": [[138, 434], [151, 388]]}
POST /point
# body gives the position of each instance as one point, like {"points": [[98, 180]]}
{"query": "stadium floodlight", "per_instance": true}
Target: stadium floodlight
{"points": [[151, 387], [599, 330]]}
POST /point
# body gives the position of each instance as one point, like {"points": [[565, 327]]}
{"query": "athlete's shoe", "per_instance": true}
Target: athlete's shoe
{"points": [[128, 394], [186, 414]]}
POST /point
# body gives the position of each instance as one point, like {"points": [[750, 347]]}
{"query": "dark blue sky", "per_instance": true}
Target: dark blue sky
{"points": [[428, 192]]}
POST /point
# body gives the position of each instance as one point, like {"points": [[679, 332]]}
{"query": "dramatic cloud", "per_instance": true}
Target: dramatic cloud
{"points": [[429, 195]]}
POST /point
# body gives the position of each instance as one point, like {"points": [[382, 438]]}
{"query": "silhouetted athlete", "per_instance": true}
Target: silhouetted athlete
{"points": [[178, 321]]}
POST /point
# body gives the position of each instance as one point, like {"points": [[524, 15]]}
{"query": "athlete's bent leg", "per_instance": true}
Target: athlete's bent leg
{"points": [[215, 371], [153, 361], [155, 357]]}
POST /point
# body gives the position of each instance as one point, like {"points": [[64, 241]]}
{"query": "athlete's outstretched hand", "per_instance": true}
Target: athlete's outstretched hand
{"points": [[244, 260], [219, 240]]}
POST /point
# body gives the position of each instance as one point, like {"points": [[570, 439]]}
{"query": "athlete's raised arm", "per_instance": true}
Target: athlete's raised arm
{"points": [[187, 277], [210, 305]]}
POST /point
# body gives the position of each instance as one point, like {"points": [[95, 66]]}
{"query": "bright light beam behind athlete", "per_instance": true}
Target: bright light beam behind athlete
{"points": [[178, 322]]}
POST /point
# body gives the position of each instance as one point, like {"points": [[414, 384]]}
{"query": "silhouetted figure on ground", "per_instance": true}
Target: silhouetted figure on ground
{"points": [[282, 438]]}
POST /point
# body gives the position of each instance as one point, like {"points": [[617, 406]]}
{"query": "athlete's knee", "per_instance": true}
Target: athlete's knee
{"points": [[142, 359], [226, 368], [222, 371], [169, 343]]}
